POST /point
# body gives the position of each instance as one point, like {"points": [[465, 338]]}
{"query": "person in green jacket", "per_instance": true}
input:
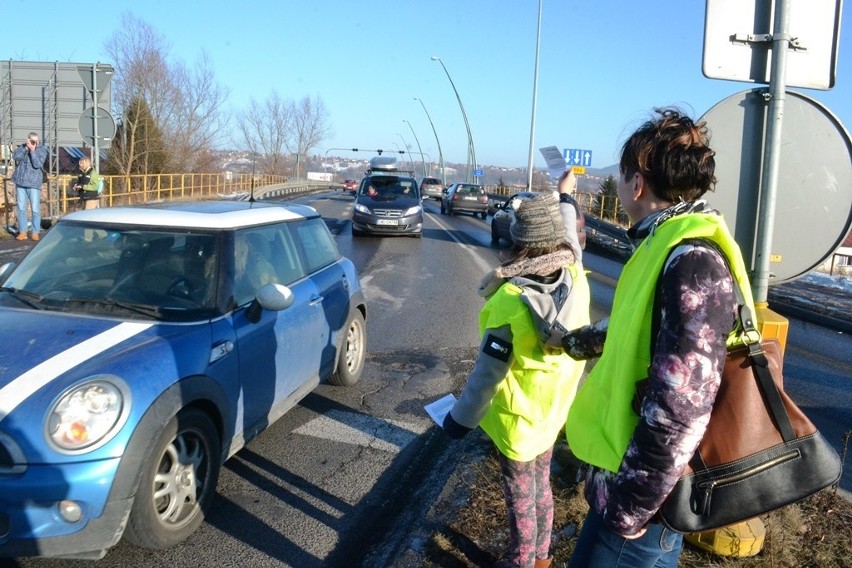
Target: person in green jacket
{"points": [[523, 383], [87, 184]]}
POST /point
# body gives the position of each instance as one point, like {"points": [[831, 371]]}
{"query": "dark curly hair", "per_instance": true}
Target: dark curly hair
{"points": [[673, 156]]}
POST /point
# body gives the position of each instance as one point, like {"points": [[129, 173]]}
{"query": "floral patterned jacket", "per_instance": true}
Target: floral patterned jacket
{"points": [[697, 303]]}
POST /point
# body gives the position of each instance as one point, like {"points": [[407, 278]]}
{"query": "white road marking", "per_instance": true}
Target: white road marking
{"points": [[363, 430], [471, 250]]}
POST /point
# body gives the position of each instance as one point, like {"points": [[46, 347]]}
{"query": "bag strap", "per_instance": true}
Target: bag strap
{"points": [[751, 339]]}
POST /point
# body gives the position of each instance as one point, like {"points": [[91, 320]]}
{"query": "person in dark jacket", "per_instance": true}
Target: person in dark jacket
{"points": [[30, 158]]}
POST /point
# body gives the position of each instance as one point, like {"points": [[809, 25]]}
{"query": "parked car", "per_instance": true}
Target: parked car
{"points": [[388, 202], [505, 214], [432, 188], [350, 186], [465, 197], [143, 346]]}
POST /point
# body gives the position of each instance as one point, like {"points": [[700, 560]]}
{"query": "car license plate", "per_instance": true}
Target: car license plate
{"points": [[471, 198], [387, 222]]}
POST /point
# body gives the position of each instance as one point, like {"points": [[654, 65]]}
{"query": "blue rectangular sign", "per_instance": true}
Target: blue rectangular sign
{"points": [[578, 157], [478, 173]]}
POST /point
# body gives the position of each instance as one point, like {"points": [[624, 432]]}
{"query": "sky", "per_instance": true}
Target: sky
{"points": [[603, 65]]}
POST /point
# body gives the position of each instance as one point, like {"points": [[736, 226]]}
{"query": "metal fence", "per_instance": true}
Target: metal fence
{"points": [[59, 197]]}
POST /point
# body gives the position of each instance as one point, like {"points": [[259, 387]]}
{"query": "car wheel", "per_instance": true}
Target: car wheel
{"points": [[443, 211], [178, 484], [484, 215], [351, 353], [357, 233], [495, 237]]}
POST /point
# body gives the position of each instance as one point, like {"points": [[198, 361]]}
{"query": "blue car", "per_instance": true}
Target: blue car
{"points": [[142, 346]]}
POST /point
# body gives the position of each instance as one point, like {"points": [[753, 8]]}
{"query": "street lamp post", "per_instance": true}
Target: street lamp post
{"points": [[471, 153], [418, 147], [535, 96], [440, 155], [406, 146]]}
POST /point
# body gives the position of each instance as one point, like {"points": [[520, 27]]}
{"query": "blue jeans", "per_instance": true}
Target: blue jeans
{"points": [[33, 195], [599, 547]]}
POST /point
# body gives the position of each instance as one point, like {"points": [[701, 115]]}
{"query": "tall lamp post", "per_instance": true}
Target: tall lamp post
{"points": [[535, 97], [419, 149], [440, 155], [471, 153], [406, 146]]}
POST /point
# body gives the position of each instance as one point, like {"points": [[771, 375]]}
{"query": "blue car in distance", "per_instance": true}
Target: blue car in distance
{"points": [[142, 346]]}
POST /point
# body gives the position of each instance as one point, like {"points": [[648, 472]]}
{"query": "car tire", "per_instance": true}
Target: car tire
{"points": [[484, 215], [357, 233], [178, 482], [351, 352], [443, 211], [495, 237]]}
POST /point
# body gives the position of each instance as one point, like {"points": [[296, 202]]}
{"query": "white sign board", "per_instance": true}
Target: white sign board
{"points": [[734, 46], [320, 176]]}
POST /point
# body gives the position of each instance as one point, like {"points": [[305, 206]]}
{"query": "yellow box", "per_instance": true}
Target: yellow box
{"points": [[771, 325], [739, 540]]}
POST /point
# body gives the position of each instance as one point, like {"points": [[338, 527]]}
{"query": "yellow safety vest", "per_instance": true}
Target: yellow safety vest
{"points": [[532, 403], [601, 421]]}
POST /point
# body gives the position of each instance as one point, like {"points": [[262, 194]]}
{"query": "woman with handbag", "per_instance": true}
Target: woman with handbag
{"points": [[673, 311]]}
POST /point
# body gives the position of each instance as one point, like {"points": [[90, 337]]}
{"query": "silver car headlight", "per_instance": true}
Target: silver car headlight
{"points": [[85, 416], [417, 209], [363, 209]]}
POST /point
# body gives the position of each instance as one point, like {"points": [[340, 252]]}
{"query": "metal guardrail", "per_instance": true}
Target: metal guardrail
{"points": [[58, 198]]}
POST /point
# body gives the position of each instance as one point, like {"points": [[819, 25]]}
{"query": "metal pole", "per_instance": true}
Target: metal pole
{"points": [[406, 146], [471, 153], [435, 132], [96, 153], [772, 148], [419, 149], [535, 97]]}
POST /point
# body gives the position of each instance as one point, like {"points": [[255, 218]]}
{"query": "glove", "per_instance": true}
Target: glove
{"points": [[453, 429]]}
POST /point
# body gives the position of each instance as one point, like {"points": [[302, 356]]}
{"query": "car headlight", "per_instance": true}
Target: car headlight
{"points": [[413, 211], [86, 415], [362, 209]]}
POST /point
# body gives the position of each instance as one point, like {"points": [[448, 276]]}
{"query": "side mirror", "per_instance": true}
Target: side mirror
{"points": [[273, 297]]}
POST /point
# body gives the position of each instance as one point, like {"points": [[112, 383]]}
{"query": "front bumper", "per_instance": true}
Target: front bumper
{"points": [[411, 225], [30, 519]]}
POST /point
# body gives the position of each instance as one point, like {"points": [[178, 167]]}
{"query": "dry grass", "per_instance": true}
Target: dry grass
{"points": [[816, 532]]}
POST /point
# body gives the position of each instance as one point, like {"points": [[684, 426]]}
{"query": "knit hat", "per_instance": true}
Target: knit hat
{"points": [[538, 222]]}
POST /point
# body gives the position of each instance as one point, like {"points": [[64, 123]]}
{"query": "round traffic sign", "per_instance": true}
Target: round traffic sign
{"points": [[813, 211], [105, 123]]}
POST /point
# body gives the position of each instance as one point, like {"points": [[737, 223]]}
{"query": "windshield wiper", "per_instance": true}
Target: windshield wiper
{"points": [[31, 299], [144, 309]]}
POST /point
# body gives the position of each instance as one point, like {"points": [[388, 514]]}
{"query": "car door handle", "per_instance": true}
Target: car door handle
{"points": [[315, 300]]}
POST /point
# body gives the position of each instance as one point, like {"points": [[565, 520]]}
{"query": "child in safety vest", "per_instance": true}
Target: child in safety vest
{"points": [[523, 383]]}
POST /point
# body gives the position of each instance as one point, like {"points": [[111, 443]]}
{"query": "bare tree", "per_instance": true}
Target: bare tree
{"points": [[310, 127], [264, 129], [199, 119], [185, 105]]}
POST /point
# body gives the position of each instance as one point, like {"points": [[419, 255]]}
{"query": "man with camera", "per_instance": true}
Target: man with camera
{"points": [[28, 178]]}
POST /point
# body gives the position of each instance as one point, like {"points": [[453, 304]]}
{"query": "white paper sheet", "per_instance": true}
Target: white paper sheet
{"points": [[438, 409]]}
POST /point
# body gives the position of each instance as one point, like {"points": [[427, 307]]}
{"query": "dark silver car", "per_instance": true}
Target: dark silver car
{"points": [[465, 197], [388, 203], [432, 188]]}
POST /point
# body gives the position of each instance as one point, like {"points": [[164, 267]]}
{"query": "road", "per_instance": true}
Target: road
{"points": [[344, 469]]}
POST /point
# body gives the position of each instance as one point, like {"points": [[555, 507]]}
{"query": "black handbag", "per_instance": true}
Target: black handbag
{"points": [[759, 453]]}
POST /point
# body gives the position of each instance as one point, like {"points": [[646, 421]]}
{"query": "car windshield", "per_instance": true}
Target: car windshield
{"points": [[431, 181], [169, 275], [390, 187]]}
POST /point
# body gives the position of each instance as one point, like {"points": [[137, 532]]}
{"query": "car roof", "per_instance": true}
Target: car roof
{"points": [[195, 214]]}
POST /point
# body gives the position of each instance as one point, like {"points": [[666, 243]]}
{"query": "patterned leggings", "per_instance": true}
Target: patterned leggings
{"points": [[529, 499]]}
